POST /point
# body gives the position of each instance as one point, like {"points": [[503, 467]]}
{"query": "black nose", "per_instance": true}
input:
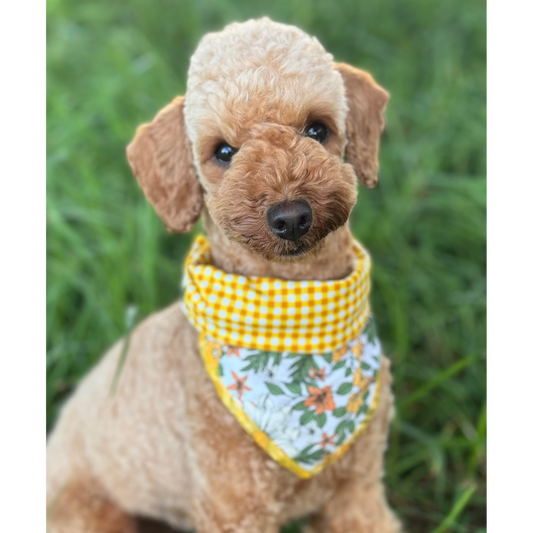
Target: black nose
{"points": [[290, 220]]}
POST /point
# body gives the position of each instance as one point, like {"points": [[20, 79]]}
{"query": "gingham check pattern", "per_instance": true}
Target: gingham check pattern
{"points": [[272, 314]]}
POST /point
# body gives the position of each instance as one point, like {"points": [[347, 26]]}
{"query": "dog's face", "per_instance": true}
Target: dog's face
{"points": [[259, 141]]}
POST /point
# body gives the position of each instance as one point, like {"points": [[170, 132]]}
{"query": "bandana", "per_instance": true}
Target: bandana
{"points": [[296, 362]]}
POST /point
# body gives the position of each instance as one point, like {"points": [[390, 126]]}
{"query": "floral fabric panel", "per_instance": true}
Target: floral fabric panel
{"points": [[304, 409]]}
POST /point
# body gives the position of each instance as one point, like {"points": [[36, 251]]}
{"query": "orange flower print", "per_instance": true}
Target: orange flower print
{"points": [[239, 385], [326, 440], [232, 350], [357, 349], [340, 353], [321, 399], [317, 374], [355, 403], [359, 379], [356, 400]]}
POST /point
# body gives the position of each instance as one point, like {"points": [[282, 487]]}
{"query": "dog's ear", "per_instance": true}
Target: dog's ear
{"points": [[160, 156], [366, 104]]}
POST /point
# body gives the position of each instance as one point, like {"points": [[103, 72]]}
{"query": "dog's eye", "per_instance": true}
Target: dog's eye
{"points": [[316, 131], [224, 152]]}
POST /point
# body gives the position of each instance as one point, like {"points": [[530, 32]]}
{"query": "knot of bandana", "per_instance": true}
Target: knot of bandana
{"points": [[273, 314]]}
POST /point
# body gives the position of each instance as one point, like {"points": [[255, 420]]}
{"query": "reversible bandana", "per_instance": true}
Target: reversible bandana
{"points": [[297, 363]]}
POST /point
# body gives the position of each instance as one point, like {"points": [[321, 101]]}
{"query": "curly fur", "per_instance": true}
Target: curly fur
{"points": [[163, 445], [276, 164]]}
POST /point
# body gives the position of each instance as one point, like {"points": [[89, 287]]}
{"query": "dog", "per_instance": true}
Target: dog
{"points": [[257, 147]]}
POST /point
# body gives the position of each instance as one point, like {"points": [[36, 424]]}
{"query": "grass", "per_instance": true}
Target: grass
{"points": [[113, 64]]}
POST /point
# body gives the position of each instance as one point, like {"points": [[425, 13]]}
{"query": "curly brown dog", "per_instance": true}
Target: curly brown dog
{"points": [[267, 118]]}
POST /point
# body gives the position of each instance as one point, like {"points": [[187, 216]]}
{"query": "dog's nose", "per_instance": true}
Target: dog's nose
{"points": [[290, 220]]}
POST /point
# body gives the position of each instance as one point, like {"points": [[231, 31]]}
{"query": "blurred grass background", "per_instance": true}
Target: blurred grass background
{"points": [[113, 64]]}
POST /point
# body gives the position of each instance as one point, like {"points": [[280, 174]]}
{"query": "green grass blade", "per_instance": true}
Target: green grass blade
{"points": [[131, 314], [438, 380], [456, 510]]}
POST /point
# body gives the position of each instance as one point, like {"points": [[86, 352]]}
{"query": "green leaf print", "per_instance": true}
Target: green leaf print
{"points": [[365, 366], [348, 372], [300, 406], [306, 417], [256, 362], [306, 450], [320, 420], [341, 426], [317, 456], [305, 457], [328, 357], [350, 426], [260, 360], [371, 330], [338, 365], [345, 388], [301, 366], [274, 389], [295, 388], [340, 411], [220, 370]]}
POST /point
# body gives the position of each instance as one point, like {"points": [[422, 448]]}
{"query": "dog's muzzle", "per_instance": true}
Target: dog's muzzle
{"points": [[290, 220]]}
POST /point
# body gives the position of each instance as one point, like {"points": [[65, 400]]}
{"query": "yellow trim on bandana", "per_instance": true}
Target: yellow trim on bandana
{"points": [[273, 314], [211, 352]]}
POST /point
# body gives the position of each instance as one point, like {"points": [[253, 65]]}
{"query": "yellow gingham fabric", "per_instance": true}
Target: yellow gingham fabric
{"points": [[273, 314]]}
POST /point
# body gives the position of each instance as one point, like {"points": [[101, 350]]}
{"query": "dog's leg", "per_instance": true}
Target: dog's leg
{"points": [[356, 509], [78, 507], [234, 492], [317, 524], [226, 512], [238, 500]]}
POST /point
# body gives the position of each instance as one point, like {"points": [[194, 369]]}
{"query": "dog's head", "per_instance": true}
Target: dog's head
{"points": [[259, 140]]}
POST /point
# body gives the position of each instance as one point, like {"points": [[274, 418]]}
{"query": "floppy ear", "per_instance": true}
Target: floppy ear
{"points": [[160, 156], [366, 104]]}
